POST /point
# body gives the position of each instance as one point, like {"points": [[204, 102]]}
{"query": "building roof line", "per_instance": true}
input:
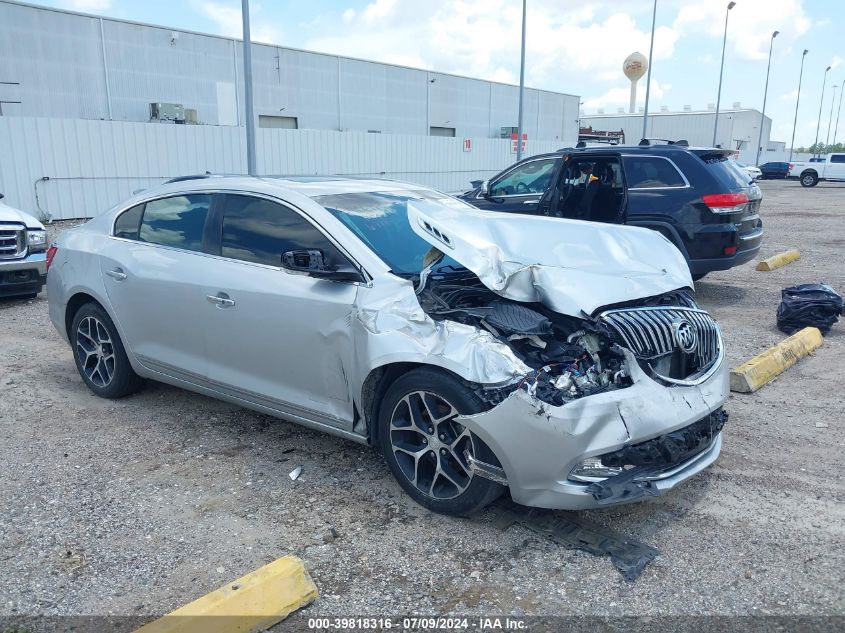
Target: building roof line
{"points": [[278, 46]]}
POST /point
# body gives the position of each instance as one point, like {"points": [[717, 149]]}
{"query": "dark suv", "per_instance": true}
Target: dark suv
{"points": [[696, 197]]}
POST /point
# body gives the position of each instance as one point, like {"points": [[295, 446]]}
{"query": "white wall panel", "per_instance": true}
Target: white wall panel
{"points": [[70, 168]]}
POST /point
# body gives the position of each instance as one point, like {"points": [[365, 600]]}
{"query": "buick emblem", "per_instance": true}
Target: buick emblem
{"points": [[685, 335]]}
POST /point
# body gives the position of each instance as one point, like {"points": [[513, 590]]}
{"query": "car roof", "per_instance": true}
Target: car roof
{"points": [[311, 186]]}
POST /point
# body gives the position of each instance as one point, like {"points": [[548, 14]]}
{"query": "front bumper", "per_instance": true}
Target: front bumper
{"points": [[23, 276], [538, 444]]}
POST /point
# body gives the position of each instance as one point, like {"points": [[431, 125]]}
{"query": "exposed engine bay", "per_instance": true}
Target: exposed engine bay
{"points": [[570, 358]]}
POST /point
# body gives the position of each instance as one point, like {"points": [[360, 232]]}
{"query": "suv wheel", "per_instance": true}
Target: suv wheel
{"points": [[99, 354], [424, 446], [809, 179]]}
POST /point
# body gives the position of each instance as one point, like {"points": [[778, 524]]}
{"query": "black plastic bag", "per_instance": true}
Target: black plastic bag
{"points": [[808, 305]]}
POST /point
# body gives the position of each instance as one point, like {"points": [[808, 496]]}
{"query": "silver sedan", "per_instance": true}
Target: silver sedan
{"points": [[563, 361]]}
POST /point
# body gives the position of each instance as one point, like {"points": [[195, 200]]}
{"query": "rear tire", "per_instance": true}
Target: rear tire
{"points": [[99, 354], [424, 446], [809, 179]]}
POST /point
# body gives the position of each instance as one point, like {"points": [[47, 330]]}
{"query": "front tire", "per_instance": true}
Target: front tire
{"points": [[99, 354], [424, 446], [809, 179]]}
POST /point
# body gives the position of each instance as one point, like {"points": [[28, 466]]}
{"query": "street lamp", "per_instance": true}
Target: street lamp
{"points": [[765, 94], [838, 112], [650, 64], [830, 118], [819, 122], [521, 89], [731, 5], [248, 107], [797, 100]]}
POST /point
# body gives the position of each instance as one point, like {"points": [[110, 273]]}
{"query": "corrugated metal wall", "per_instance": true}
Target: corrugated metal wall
{"points": [[70, 168], [77, 66]]}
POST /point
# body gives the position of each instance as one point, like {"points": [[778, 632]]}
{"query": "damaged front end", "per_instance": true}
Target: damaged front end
{"points": [[615, 407]]}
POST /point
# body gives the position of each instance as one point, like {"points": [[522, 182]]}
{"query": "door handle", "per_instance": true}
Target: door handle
{"points": [[531, 202], [117, 274], [221, 300]]}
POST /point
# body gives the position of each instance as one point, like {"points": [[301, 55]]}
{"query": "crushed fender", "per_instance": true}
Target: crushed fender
{"points": [[566, 528]]}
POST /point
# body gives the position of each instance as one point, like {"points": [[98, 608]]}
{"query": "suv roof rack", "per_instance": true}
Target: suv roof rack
{"points": [[647, 142]]}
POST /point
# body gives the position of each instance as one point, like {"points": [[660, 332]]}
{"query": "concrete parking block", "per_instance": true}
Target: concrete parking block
{"points": [[776, 261], [251, 603], [761, 369]]}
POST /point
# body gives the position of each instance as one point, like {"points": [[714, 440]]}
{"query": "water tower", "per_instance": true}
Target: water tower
{"points": [[634, 67]]}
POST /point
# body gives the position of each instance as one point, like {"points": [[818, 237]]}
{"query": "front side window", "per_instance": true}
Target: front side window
{"points": [[532, 177], [178, 221], [259, 231], [650, 172]]}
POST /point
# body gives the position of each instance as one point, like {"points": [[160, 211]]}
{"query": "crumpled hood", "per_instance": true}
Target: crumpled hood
{"points": [[10, 214], [570, 266]]}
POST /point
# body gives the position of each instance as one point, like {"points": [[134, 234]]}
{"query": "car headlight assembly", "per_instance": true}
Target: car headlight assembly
{"points": [[592, 469], [36, 241]]}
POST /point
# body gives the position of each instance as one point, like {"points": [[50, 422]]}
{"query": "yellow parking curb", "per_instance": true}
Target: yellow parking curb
{"points": [[755, 373], [252, 603], [776, 261]]}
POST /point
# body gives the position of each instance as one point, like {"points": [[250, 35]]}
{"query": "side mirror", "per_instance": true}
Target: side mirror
{"points": [[484, 189], [314, 263], [2, 196]]}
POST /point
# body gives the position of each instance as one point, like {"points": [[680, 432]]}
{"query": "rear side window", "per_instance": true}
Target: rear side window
{"points": [[178, 221], [646, 172], [127, 223], [837, 158], [259, 231]]}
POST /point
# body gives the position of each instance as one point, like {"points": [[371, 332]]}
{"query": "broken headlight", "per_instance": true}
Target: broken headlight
{"points": [[592, 469]]}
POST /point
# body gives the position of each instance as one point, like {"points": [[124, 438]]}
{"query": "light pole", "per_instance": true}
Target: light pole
{"points": [[650, 64], [830, 118], [521, 89], [819, 122], [838, 112], [797, 100], [765, 94], [731, 5], [250, 117]]}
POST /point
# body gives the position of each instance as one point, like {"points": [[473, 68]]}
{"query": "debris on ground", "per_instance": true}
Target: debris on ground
{"points": [[808, 305], [565, 528], [295, 473]]}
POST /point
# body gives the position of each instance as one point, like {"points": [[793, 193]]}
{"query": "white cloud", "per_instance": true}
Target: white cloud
{"points": [[836, 62], [621, 97], [750, 25], [789, 96], [227, 17], [87, 5]]}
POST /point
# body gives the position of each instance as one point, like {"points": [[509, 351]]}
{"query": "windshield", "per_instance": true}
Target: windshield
{"points": [[380, 220]]}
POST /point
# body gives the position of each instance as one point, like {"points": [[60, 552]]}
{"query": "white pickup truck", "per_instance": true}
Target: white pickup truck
{"points": [[23, 256], [831, 167]]}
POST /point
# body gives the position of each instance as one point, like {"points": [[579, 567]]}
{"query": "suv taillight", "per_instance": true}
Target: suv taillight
{"points": [[51, 253], [726, 202]]}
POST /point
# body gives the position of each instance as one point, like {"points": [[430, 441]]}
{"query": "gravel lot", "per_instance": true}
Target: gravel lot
{"points": [[137, 506]]}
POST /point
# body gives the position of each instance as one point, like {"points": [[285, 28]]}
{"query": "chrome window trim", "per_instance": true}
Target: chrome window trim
{"points": [[509, 172], [369, 277], [686, 184]]}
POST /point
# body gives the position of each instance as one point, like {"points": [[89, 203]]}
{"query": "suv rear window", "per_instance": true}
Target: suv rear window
{"points": [[726, 172]]}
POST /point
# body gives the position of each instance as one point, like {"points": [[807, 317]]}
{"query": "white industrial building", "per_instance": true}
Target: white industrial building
{"points": [[88, 108], [60, 64], [738, 129]]}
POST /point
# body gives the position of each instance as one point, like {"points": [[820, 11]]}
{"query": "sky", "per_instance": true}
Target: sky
{"points": [[572, 47]]}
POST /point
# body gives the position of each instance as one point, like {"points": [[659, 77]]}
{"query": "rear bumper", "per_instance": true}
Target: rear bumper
{"points": [[24, 276], [748, 245]]}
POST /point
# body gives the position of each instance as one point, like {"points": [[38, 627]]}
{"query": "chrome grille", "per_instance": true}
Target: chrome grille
{"points": [[12, 240], [650, 334]]}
